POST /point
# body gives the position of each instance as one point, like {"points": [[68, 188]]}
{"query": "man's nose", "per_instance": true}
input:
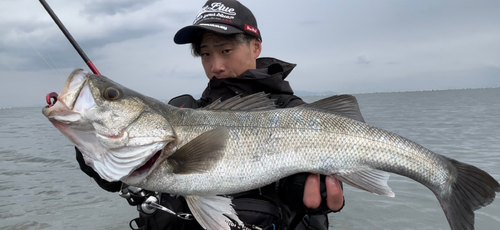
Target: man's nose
{"points": [[218, 65]]}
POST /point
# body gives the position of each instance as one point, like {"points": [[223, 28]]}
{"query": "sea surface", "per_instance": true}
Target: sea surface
{"points": [[42, 187]]}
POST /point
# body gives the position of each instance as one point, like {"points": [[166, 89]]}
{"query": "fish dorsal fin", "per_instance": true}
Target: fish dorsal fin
{"points": [[213, 212], [368, 179], [344, 105], [200, 154], [252, 102]]}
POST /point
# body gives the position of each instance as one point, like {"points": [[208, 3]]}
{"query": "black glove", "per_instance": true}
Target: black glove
{"points": [[184, 101], [291, 193], [104, 184]]}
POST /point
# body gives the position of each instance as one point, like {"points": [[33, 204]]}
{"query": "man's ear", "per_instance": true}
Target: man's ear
{"points": [[256, 48]]}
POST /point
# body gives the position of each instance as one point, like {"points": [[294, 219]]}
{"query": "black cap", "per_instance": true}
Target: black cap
{"points": [[223, 17]]}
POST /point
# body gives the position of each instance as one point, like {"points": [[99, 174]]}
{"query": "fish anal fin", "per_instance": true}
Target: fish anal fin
{"points": [[213, 212], [200, 154], [370, 180]]}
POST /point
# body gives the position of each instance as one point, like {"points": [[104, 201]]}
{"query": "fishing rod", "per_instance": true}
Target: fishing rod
{"points": [[51, 98], [69, 37]]}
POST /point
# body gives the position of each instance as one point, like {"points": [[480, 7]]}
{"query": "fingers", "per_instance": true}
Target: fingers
{"points": [[312, 197], [334, 194]]}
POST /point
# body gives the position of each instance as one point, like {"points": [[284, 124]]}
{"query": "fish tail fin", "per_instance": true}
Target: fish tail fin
{"points": [[472, 189]]}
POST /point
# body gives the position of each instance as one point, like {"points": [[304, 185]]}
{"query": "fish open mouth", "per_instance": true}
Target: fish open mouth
{"points": [[59, 105]]}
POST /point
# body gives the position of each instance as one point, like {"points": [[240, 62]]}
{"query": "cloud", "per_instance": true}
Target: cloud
{"points": [[99, 23], [362, 60], [114, 7]]}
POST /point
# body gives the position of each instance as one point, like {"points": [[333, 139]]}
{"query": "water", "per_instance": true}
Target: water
{"points": [[41, 186]]}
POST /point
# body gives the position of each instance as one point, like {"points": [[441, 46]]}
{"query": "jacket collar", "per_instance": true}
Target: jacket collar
{"points": [[268, 77]]}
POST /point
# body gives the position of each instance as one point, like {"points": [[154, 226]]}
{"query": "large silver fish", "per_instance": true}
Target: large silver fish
{"points": [[243, 143]]}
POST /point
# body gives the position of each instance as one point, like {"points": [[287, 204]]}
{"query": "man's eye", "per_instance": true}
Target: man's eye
{"points": [[205, 54], [226, 51]]}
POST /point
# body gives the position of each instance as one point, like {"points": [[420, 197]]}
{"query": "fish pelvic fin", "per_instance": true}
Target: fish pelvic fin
{"points": [[472, 189], [368, 179], [200, 154], [213, 212]]}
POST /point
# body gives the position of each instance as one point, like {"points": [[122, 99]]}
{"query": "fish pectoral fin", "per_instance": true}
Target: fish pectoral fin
{"points": [[200, 154], [344, 105], [213, 212], [371, 180]]}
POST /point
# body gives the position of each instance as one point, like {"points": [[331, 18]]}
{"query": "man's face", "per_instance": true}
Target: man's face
{"points": [[224, 59]]}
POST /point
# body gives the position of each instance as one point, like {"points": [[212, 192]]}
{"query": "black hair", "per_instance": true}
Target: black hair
{"points": [[233, 38]]}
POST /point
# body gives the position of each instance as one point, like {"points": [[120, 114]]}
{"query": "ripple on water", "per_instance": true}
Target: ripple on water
{"points": [[28, 225]]}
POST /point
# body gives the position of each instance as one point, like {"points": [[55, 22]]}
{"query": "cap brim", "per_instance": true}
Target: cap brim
{"points": [[186, 34]]}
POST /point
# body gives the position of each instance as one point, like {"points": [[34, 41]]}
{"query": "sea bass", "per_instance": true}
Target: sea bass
{"points": [[245, 143]]}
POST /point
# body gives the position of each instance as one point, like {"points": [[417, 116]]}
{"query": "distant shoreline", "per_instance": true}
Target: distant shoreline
{"points": [[402, 91], [311, 94]]}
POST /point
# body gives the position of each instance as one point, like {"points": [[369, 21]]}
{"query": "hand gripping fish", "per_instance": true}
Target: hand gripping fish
{"points": [[244, 143]]}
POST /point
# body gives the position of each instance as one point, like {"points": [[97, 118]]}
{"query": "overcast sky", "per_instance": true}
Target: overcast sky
{"points": [[339, 46]]}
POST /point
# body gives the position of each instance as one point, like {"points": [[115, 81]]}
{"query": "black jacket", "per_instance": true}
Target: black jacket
{"points": [[279, 204], [269, 77]]}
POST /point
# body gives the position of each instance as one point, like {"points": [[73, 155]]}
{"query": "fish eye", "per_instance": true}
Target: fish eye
{"points": [[111, 94]]}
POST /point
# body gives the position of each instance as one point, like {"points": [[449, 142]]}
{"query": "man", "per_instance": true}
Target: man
{"points": [[226, 38]]}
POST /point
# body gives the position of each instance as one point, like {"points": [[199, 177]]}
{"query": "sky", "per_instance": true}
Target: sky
{"points": [[338, 46]]}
